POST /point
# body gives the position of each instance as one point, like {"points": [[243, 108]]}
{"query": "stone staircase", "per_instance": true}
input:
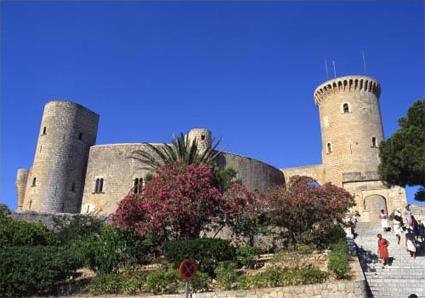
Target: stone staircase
{"points": [[405, 275]]}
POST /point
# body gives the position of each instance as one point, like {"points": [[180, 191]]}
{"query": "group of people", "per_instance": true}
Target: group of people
{"points": [[414, 232]]}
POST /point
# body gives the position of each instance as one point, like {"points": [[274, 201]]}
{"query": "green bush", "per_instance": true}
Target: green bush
{"points": [[245, 255], [115, 284], [338, 262], [163, 281], [27, 271], [331, 237], [278, 277], [79, 227], [112, 249], [18, 233], [208, 253], [200, 283], [226, 275]]}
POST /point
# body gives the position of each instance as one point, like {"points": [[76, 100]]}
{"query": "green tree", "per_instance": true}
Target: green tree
{"points": [[181, 149], [403, 154]]}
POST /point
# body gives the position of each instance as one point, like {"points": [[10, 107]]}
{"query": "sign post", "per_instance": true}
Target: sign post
{"points": [[187, 271]]}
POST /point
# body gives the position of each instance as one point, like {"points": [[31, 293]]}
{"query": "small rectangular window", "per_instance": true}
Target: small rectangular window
{"points": [[44, 130], [98, 188], [73, 187], [34, 182], [80, 136]]}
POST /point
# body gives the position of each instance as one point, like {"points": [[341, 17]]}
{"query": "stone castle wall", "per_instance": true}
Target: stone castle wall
{"points": [[113, 164], [315, 171], [55, 182]]}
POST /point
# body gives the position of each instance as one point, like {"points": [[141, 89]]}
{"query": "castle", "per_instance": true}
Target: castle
{"points": [[71, 174]]}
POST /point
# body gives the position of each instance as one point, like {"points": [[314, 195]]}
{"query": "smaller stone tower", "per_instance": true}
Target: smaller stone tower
{"points": [[56, 180], [351, 126], [203, 137], [21, 183]]}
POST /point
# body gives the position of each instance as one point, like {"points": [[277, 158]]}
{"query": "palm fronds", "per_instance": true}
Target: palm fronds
{"points": [[181, 149]]}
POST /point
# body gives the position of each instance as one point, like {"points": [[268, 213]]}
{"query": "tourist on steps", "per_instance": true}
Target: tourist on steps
{"points": [[383, 250], [408, 214], [384, 220], [398, 224], [411, 243]]}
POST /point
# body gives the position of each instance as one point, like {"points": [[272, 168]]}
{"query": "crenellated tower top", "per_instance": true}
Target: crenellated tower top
{"points": [[344, 84]]}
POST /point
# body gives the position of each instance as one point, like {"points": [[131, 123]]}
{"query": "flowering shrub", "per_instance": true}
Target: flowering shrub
{"points": [[181, 201], [305, 207]]}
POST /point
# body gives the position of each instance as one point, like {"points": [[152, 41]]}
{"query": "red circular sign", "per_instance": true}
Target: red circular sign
{"points": [[187, 269]]}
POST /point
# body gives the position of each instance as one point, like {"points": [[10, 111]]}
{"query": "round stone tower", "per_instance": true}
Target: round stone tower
{"points": [[203, 137], [56, 180], [351, 126]]}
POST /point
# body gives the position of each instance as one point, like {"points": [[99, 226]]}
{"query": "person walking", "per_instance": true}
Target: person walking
{"points": [[411, 243], [398, 224], [408, 214], [384, 220], [383, 250]]}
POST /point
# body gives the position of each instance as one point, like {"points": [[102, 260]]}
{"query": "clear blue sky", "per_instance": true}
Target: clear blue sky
{"points": [[246, 70]]}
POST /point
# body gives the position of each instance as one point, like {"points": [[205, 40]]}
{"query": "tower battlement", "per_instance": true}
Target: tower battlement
{"points": [[344, 84]]}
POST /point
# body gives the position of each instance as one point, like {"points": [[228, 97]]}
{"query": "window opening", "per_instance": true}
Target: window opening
{"points": [[44, 130], [34, 181], [345, 108], [374, 142], [80, 136], [73, 187], [329, 147], [138, 184], [98, 187]]}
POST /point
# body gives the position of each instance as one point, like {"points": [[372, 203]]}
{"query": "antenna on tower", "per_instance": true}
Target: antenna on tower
{"points": [[364, 62], [333, 62], [326, 68]]}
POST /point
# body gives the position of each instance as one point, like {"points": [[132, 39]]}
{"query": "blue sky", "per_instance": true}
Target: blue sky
{"points": [[246, 70]]}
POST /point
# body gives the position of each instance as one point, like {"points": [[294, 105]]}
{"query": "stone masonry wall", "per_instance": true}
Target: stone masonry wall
{"points": [[314, 171], [113, 164]]}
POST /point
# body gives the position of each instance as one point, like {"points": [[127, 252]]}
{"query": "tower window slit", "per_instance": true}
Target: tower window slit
{"points": [[80, 136], [34, 182], [44, 130], [345, 108], [73, 187], [374, 144], [329, 147]]}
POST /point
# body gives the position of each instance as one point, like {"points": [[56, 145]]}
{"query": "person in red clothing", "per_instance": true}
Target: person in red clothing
{"points": [[383, 250]]}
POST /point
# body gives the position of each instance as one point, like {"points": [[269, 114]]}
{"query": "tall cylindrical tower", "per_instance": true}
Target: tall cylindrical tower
{"points": [[351, 126], [56, 180], [203, 138]]}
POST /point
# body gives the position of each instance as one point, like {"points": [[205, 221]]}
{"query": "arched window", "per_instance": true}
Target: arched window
{"points": [[346, 108], [329, 148], [374, 144]]}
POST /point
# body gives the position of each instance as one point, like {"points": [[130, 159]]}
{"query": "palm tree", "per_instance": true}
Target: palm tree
{"points": [[181, 149]]}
